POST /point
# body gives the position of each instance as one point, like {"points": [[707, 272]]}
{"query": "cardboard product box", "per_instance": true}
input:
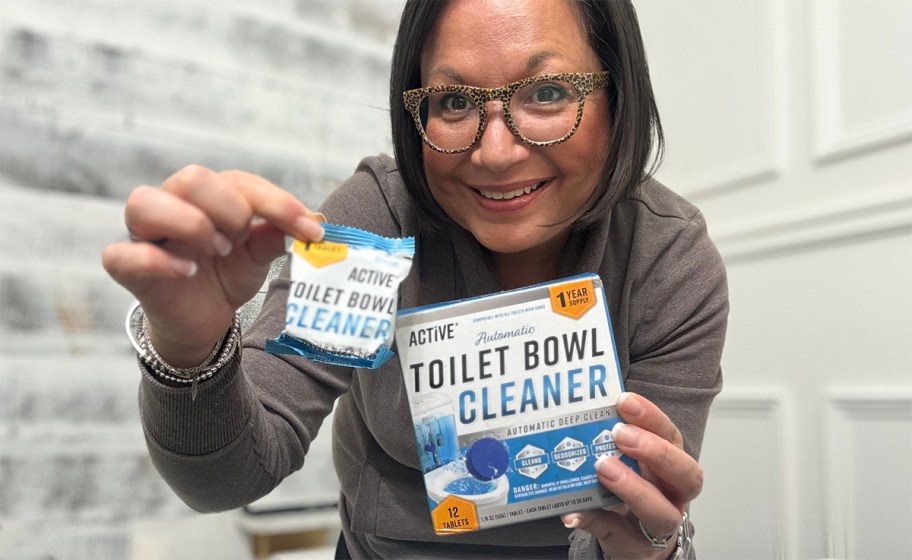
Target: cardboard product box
{"points": [[513, 398]]}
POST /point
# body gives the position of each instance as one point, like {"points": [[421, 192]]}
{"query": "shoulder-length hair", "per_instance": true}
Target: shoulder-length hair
{"points": [[637, 141]]}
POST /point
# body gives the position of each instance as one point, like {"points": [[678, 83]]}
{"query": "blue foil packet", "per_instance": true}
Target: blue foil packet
{"points": [[343, 297]]}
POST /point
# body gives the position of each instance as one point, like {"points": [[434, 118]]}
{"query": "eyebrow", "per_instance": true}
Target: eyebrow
{"points": [[537, 59], [447, 72], [534, 62]]}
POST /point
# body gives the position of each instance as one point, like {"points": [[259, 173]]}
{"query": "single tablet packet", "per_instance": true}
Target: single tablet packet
{"points": [[343, 297]]}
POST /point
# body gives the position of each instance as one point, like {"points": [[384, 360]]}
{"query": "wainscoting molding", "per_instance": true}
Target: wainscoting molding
{"points": [[887, 212], [742, 467], [833, 140], [767, 164], [857, 421]]}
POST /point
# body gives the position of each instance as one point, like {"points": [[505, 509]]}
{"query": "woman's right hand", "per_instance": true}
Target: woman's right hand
{"points": [[201, 246]]}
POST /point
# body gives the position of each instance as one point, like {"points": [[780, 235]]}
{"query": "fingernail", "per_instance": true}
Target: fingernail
{"points": [[625, 435], [221, 244], [184, 267], [610, 469], [629, 404], [307, 229], [320, 217], [571, 520]]}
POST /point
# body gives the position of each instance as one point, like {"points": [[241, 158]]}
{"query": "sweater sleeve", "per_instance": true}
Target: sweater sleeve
{"points": [[249, 427], [680, 300], [678, 310], [252, 423]]}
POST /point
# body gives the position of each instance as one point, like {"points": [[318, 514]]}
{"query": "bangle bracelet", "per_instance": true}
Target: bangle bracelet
{"points": [[220, 355], [684, 542], [658, 543], [681, 537]]}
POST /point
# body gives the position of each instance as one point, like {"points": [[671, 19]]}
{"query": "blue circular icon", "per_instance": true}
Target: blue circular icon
{"points": [[487, 459]]}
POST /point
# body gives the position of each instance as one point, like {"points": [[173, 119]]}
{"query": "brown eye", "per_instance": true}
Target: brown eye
{"points": [[455, 102], [546, 93]]}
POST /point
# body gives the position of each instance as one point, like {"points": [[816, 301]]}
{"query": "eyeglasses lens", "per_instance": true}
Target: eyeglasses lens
{"points": [[541, 112]]}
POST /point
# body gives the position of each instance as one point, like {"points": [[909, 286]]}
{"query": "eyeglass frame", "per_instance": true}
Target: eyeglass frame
{"points": [[584, 82]]}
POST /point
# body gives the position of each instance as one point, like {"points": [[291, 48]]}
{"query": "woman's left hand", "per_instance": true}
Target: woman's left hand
{"points": [[669, 479]]}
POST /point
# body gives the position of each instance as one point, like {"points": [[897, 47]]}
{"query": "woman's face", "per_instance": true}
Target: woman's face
{"points": [[490, 43]]}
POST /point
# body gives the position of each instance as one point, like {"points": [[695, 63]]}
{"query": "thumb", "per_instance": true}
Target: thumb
{"points": [[265, 243]]}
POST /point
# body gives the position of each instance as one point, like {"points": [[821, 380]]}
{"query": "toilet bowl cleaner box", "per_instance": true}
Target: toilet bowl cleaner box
{"points": [[512, 398]]}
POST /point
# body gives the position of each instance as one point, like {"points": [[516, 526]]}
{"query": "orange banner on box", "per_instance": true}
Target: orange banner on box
{"points": [[572, 299], [455, 515]]}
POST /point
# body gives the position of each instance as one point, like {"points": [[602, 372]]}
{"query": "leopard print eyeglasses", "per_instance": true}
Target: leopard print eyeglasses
{"points": [[541, 110]]}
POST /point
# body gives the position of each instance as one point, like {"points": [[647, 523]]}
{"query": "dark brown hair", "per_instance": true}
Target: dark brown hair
{"points": [[637, 142]]}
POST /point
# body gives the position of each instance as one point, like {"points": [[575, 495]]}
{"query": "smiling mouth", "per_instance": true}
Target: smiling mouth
{"points": [[500, 195]]}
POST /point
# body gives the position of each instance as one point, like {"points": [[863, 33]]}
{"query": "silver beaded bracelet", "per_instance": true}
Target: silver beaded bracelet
{"points": [[221, 354]]}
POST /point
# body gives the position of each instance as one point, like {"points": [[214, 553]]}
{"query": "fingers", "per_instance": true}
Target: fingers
{"points": [[277, 206], [265, 243], [131, 264], [614, 530], [211, 211], [198, 213], [652, 439], [153, 213], [643, 413], [645, 501], [668, 466], [669, 478], [227, 210], [654, 499]]}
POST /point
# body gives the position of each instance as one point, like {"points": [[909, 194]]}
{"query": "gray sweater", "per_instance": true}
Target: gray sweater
{"points": [[252, 423]]}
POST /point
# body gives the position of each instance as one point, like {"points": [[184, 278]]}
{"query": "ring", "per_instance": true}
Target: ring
{"points": [[661, 543], [139, 239], [133, 326]]}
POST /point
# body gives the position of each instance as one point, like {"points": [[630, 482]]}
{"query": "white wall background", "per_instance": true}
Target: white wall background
{"points": [[788, 121], [790, 124]]}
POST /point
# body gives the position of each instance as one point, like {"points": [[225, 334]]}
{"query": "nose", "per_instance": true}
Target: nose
{"points": [[498, 148]]}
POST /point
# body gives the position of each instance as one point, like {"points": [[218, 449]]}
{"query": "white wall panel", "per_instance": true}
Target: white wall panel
{"points": [[862, 52], [869, 467], [747, 465], [804, 318], [717, 68]]}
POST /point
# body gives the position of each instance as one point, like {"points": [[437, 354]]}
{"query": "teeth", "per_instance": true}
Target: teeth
{"points": [[498, 195]]}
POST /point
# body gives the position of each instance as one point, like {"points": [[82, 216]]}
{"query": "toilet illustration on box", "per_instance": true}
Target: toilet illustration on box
{"points": [[477, 475]]}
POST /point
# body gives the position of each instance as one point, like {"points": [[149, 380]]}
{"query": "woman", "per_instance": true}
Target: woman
{"points": [[500, 191]]}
